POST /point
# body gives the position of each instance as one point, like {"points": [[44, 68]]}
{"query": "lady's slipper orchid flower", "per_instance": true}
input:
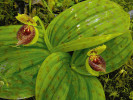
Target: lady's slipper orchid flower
{"points": [[28, 33], [95, 63]]}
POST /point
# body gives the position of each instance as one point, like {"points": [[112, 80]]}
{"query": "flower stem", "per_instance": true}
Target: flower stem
{"points": [[44, 2], [36, 18], [30, 6]]}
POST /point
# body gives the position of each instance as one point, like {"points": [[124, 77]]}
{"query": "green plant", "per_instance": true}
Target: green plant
{"points": [[77, 30]]}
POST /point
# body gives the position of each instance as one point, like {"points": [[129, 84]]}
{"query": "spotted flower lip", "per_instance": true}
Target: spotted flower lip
{"points": [[97, 63], [25, 34], [28, 33]]}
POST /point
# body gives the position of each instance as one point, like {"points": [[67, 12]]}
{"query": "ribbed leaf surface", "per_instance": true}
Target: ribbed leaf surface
{"points": [[93, 18], [83, 42], [117, 53], [85, 88], [56, 81], [86, 19], [53, 78], [19, 65]]}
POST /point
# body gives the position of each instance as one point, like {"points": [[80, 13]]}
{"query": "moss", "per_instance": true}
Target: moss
{"points": [[7, 12], [118, 85]]}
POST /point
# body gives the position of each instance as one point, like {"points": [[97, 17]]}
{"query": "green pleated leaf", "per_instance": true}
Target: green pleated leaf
{"points": [[116, 54], [87, 19], [19, 65], [85, 88], [83, 43], [56, 81], [54, 78]]}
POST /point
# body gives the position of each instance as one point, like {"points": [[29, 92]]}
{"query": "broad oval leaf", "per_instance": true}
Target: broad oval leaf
{"points": [[53, 78], [19, 65], [116, 54], [56, 80], [85, 88], [87, 19], [84, 43]]}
